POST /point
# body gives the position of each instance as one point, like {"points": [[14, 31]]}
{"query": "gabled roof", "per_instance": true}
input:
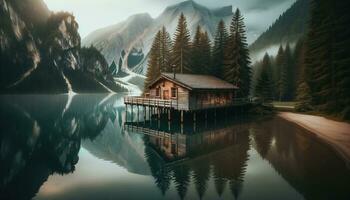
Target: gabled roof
{"points": [[192, 81]]}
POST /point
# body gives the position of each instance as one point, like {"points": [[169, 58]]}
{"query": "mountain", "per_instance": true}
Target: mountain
{"points": [[41, 52], [289, 27], [135, 35]]}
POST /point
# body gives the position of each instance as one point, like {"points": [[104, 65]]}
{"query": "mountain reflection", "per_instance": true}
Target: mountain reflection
{"points": [[41, 135]]}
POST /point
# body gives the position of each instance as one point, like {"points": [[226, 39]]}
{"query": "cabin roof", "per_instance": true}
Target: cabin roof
{"points": [[192, 81]]}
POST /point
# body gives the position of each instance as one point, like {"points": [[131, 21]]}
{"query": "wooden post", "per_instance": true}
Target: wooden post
{"points": [[206, 118], [215, 116], [169, 114], [182, 116], [144, 114], [126, 112], [158, 112], [132, 113], [138, 114]]}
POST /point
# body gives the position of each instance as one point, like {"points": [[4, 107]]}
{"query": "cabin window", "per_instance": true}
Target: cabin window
{"points": [[173, 92], [157, 92]]}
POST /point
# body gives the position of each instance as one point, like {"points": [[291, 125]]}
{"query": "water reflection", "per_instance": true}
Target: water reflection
{"points": [[236, 157], [41, 135], [221, 152]]}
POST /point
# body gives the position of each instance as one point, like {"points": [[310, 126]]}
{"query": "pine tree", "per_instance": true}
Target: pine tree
{"points": [[288, 90], [320, 69], [154, 65], [237, 62], [244, 58], [219, 50], [165, 51], [279, 74], [205, 53], [341, 58], [264, 86], [196, 52], [181, 53]]}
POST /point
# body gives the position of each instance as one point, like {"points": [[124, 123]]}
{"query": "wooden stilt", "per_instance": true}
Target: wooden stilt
{"points": [[182, 116], [126, 112], [169, 114], [132, 113]]}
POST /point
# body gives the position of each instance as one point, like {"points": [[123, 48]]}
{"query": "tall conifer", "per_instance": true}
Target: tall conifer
{"points": [[205, 54], [219, 50], [154, 64], [264, 85], [165, 51], [181, 53], [237, 61]]}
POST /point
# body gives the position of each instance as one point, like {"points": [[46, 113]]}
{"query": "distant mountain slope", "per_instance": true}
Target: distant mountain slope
{"points": [[138, 31], [114, 39], [289, 27]]}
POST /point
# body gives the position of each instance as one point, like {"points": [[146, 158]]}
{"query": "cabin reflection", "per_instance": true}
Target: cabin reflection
{"points": [[218, 151]]}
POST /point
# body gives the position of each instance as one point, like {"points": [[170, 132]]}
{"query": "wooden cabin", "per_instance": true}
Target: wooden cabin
{"points": [[188, 92]]}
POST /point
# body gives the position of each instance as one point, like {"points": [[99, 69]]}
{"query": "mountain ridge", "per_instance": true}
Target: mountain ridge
{"points": [[288, 28], [112, 44]]}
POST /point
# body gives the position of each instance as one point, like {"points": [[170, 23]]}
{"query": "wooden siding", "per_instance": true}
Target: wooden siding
{"points": [[165, 85], [185, 99]]}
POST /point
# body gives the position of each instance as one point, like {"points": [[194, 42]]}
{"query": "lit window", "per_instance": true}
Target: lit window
{"points": [[173, 92]]}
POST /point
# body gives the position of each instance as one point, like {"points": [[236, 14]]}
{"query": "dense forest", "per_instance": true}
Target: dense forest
{"points": [[228, 57], [315, 73], [289, 27]]}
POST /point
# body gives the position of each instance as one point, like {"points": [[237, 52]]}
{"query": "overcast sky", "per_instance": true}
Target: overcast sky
{"points": [[94, 14]]}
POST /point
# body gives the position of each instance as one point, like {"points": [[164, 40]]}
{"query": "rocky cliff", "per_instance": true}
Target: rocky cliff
{"points": [[41, 52]]}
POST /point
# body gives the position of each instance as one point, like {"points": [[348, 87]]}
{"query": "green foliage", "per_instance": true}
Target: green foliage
{"points": [[264, 85], [236, 56], [220, 41], [196, 52], [304, 99], [165, 46], [280, 74], [160, 57], [289, 27], [181, 52], [154, 65], [288, 90], [200, 53]]}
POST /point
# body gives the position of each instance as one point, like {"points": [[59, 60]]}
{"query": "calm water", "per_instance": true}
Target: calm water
{"points": [[83, 147]]}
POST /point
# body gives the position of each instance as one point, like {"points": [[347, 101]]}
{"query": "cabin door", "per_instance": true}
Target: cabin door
{"points": [[166, 94]]}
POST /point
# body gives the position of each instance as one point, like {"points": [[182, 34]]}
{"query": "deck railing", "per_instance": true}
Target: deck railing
{"points": [[171, 103]]}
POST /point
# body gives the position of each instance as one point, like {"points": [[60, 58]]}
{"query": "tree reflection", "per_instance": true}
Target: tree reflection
{"points": [[41, 135], [219, 152]]}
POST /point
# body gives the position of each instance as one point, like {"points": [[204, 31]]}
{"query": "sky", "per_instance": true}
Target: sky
{"points": [[95, 14]]}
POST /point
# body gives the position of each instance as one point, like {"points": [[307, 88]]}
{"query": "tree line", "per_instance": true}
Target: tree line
{"points": [[317, 74], [227, 58]]}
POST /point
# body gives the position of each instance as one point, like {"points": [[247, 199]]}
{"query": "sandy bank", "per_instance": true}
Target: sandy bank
{"points": [[336, 134]]}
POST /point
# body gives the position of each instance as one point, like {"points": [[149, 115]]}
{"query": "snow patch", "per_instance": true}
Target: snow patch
{"points": [[69, 85], [109, 90]]}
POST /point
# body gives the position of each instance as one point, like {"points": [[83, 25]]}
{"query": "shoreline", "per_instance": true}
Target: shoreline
{"points": [[335, 134]]}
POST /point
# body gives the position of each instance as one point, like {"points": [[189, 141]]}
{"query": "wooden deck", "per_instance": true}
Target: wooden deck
{"points": [[173, 103], [151, 102]]}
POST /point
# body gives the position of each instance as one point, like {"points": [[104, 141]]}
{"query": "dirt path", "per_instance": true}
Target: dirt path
{"points": [[337, 134]]}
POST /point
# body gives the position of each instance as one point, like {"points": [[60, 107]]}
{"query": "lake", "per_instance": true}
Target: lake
{"points": [[86, 147]]}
